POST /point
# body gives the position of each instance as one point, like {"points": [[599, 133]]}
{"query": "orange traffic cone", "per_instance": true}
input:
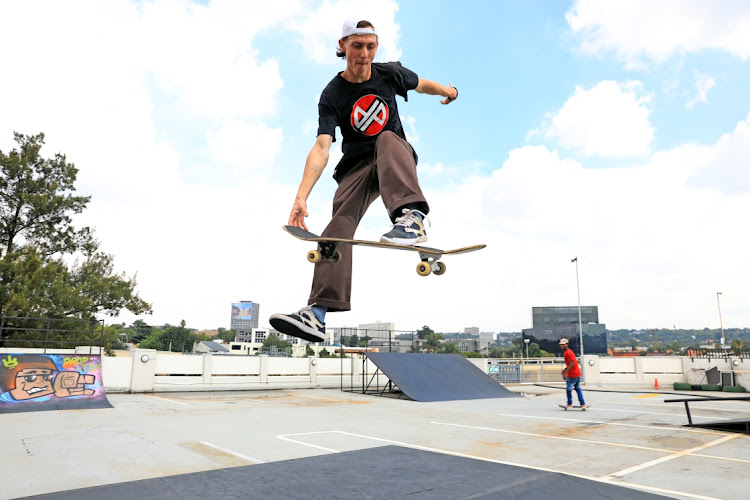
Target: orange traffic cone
{"points": [[656, 384]]}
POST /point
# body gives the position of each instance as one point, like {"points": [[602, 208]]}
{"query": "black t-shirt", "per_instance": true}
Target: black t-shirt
{"points": [[363, 110]]}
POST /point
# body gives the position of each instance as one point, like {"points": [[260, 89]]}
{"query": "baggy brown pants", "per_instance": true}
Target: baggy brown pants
{"points": [[392, 174]]}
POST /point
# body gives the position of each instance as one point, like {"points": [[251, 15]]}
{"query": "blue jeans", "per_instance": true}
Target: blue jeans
{"points": [[570, 384]]}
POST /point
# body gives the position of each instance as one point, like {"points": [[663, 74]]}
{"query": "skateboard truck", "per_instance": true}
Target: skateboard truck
{"points": [[430, 264], [326, 250]]}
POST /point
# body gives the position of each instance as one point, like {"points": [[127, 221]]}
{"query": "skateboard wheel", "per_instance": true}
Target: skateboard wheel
{"points": [[336, 256], [313, 256], [438, 268], [424, 269]]}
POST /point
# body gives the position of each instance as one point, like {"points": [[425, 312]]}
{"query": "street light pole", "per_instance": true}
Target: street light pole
{"points": [[718, 303], [527, 348], [580, 321]]}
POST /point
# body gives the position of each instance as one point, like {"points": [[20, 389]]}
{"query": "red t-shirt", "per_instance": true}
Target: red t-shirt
{"points": [[570, 357]]}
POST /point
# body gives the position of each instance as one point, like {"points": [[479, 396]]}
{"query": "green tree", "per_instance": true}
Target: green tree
{"points": [[140, 330], [450, 348], [736, 346], [153, 341], [275, 341], [112, 339], [514, 351], [534, 351], [37, 202], [170, 338], [432, 342], [424, 332], [473, 355], [227, 335]]}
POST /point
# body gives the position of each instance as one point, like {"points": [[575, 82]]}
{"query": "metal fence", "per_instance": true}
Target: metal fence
{"points": [[274, 351], [50, 333], [718, 353], [526, 371]]}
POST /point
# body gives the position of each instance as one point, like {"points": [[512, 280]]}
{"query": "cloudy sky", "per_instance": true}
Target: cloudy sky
{"points": [[618, 133]]}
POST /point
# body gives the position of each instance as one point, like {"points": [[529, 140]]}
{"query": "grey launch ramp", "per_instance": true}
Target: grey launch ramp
{"points": [[437, 377]]}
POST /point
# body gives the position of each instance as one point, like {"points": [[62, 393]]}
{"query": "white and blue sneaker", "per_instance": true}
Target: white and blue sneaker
{"points": [[409, 229], [303, 324]]}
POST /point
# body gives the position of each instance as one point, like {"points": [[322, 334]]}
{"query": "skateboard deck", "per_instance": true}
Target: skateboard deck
{"points": [[577, 407], [327, 249]]}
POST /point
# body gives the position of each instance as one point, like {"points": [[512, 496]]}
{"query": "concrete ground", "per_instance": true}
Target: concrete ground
{"points": [[630, 439]]}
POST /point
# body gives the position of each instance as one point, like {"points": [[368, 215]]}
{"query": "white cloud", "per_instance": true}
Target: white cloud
{"points": [[653, 243], [115, 85], [247, 146], [206, 57], [95, 83], [410, 129], [608, 120], [703, 83], [320, 31], [728, 173], [644, 29]]}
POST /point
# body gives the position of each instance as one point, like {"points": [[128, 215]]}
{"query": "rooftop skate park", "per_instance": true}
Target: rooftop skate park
{"points": [[345, 428]]}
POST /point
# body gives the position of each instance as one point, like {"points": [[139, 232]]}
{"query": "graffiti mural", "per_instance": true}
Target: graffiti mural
{"points": [[34, 382]]}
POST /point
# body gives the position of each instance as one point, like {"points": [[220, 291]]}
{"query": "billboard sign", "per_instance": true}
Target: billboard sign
{"points": [[242, 310]]}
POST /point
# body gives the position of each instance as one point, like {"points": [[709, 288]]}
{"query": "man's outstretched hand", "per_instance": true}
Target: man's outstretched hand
{"points": [[299, 212]]}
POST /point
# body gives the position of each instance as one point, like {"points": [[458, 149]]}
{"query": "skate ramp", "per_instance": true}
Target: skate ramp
{"points": [[437, 377], [378, 473]]}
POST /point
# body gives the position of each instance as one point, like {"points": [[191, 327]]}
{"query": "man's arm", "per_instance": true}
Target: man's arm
{"points": [[433, 88], [568, 367], [317, 160]]}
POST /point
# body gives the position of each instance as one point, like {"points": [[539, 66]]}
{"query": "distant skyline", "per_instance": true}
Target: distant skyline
{"points": [[617, 133]]}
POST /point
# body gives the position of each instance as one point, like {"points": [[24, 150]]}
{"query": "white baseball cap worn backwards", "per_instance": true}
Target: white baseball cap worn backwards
{"points": [[350, 28]]}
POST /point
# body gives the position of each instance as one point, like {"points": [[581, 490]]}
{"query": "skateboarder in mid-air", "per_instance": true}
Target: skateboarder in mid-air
{"points": [[377, 161]]}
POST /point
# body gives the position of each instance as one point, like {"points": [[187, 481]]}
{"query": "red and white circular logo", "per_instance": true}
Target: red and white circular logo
{"points": [[369, 115]]}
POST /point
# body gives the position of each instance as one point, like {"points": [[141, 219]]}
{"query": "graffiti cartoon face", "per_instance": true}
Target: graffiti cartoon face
{"points": [[33, 383]]}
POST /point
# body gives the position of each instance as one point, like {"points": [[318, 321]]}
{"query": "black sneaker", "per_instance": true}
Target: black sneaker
{"points": [[409, 229], [302, 324]]}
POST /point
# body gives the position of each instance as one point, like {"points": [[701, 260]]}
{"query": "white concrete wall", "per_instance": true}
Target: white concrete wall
{"points": [[148, 371]]}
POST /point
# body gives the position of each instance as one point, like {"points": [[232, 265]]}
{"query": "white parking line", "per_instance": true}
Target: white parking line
{"points": [[545, 436], [238, 455], [170, 400], [485, 459], [603, 422], [716, 457], [651, 463], [285, 437]]}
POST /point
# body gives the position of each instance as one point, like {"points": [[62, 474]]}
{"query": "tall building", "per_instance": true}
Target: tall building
{"points": [[245, 314], [377, 330], [550, 324], [550, 316]]}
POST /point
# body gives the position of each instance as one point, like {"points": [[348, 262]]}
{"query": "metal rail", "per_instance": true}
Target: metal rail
{"points": [[707, 398]]}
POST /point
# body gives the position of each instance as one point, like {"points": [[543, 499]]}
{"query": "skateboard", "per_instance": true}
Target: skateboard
{"points": [[328, 250], [582, 409]]}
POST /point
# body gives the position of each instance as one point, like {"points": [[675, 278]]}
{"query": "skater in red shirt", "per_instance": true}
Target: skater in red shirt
{"points": [[572, 375]]}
